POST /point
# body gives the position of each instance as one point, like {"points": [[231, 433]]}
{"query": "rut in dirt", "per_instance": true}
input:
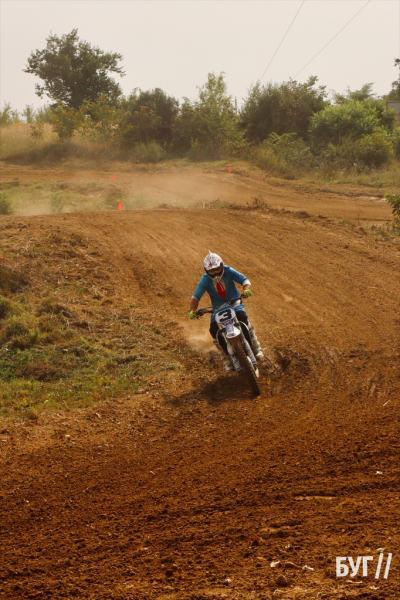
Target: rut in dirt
{"points": [[191, 488]]}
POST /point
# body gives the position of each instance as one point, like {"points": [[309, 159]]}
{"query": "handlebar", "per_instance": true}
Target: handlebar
{"points": [[211, 310]]}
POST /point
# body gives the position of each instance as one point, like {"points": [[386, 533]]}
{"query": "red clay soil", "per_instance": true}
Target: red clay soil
{"points": [[194, 489]]}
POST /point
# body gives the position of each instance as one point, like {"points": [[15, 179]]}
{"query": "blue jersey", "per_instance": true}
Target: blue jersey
{"points": [[206, 284]]}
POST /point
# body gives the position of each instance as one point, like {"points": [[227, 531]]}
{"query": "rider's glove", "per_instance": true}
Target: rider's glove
{"points": [[192, 314], [247, 293]]}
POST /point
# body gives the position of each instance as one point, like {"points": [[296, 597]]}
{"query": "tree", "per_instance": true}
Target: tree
{"points": [[73, 71], [365, 93], [216, 116], [394, 93], [8, 115], [184, 131], [44, 114], [281, 108], [148, 116], [209, 126], [352, 120], [100, 120], [66, 121], [29, 113]]}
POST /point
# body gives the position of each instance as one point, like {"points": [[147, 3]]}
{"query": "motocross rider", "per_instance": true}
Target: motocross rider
{"points": [[219, 281]]}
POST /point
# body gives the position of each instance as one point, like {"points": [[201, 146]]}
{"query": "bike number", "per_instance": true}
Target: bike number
{"points": [[225, 315]]}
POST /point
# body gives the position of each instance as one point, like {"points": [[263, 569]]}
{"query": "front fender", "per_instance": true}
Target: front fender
{"points": [[232, 331]]}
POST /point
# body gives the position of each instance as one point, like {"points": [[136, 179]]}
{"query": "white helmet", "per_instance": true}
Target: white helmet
{"points": [[214, 266]]}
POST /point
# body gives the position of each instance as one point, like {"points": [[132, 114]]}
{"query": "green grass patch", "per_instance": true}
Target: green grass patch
{"points": [[45, 363], [68, 376], [66, 342]]}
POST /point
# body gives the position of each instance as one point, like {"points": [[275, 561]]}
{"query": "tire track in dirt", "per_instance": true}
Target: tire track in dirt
{"points": [[192, 493]]}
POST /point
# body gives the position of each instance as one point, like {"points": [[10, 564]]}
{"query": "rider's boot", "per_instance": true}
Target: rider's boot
{"points": [[226, 361], [258, 353]]}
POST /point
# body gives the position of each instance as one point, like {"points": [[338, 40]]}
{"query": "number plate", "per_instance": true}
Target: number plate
{"points": [[227, 314]]}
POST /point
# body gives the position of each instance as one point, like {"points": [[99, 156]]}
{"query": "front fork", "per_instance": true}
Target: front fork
{"points": [[230, 344]]}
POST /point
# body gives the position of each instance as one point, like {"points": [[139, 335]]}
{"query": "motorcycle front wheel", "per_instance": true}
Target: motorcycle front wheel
{"points": [[247, 366]]}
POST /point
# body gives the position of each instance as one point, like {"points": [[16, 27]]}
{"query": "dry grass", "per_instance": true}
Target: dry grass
{"points": [[18, 146], [387, 232], [16, 140]]}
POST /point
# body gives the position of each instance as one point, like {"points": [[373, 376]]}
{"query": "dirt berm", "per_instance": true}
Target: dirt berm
{"points": [[192, 489]]}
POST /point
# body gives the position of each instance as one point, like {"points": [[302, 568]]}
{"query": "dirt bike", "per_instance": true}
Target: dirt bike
{"points": [[236, 336]]}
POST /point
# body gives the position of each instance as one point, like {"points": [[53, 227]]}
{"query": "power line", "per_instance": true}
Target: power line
{"points": [[331, 40], [281, 42]]}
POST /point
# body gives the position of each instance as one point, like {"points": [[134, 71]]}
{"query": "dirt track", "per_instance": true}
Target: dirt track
{"points": [[188, 185], [193, 488]]}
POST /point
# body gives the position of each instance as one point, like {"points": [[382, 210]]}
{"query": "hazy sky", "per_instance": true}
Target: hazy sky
{"points": [[174, 44]]}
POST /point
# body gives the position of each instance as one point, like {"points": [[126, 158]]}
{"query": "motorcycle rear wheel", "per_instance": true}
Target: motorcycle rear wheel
{"points": [[247, 367]]}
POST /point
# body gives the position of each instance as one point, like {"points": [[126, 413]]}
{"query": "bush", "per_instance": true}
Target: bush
{"points": [[371, 151], [65, 122], [290, 149], [337, 158], [6, 207], [287, 155], [100, 121], [395, 203], [36, 130], [201, 151], [396, 142], [151, 152], [350, 120], [376, 149]]}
